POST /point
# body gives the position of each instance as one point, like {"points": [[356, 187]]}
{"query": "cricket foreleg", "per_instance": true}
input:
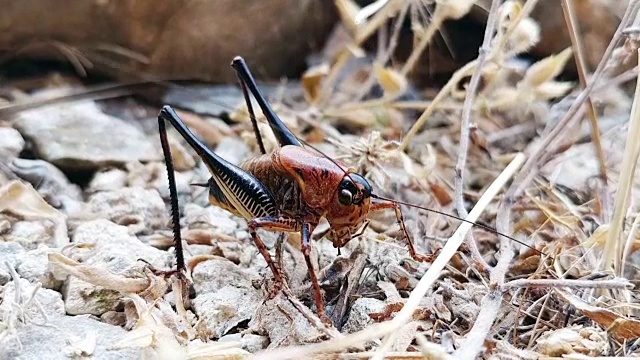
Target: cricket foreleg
{"points": [[380, 205], [272, 223], [306, 251]]}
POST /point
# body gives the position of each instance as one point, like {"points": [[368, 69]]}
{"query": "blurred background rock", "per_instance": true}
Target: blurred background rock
{"points": [[195, 40]]}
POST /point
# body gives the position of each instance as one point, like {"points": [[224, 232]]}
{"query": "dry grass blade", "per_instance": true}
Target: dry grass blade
{"points": [[547, 146], [613, 251], [579, 284], [444, 10], [157, 341], [23, 200], [576, 42], [621, 327], [98, 276], [498, 52]]}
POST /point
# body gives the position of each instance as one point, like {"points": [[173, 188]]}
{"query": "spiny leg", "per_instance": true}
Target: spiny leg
{"points": [[173, 194], [272, 223], [181, 270], [381, 205], [280, 130], [252, 116], [306, 251]]}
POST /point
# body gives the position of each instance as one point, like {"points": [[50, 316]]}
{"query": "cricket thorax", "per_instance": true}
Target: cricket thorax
{"points": [[284, 190]]}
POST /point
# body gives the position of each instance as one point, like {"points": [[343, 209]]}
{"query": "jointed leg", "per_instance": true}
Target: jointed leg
{"points": [[271, 224], [306, 251], [279, 248], [381, 205]]}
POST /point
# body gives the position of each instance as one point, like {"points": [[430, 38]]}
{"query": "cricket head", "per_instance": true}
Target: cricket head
{"points": [[349, 207]]}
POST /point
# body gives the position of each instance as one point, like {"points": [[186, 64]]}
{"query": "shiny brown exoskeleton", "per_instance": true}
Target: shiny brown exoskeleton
{"points": [[289, 190]]}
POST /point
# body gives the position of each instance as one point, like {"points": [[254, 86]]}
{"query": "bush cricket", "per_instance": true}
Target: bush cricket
{"points": [[289, 190]]}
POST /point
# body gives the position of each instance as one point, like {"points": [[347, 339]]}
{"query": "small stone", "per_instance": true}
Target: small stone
{"points": [[283, 324], [250, 342], [213, 275], [135, 207], [116, 318], [199, 249], [12, 142], [50, 182], [80, 136], [81, 297], [108, 180], [55, 341], [154, 176], [115, 241], [224, 309], [45, 177], [11, 252], [35, 268], [359, 315], [115, 250], [210, 217], [31, 234]]}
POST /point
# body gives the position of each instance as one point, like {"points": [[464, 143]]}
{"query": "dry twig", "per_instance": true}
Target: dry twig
{"points": [[576, 42], [465, 126], [546, 147]]}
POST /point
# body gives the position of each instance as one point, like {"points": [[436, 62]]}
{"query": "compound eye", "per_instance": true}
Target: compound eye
{"points": [[345, 197]]}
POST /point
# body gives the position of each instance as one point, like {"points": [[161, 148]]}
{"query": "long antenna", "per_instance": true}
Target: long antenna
{"points": [[488, 228]]}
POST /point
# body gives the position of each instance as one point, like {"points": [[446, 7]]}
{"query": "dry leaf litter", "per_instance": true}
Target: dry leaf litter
{"points": [[78, 259]]}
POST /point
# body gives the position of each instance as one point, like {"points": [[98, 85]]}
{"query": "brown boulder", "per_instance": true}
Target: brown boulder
{"points": [[174, 39]]}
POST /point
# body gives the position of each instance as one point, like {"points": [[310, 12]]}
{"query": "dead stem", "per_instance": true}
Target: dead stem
{"points": [[459, 75], [383, 58], [448, 251], [618, 283], [578, 49], [383, 14], [465, 127], [391, 355], [474, 341], [538, 317], [490, 304], [545, 148]]}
